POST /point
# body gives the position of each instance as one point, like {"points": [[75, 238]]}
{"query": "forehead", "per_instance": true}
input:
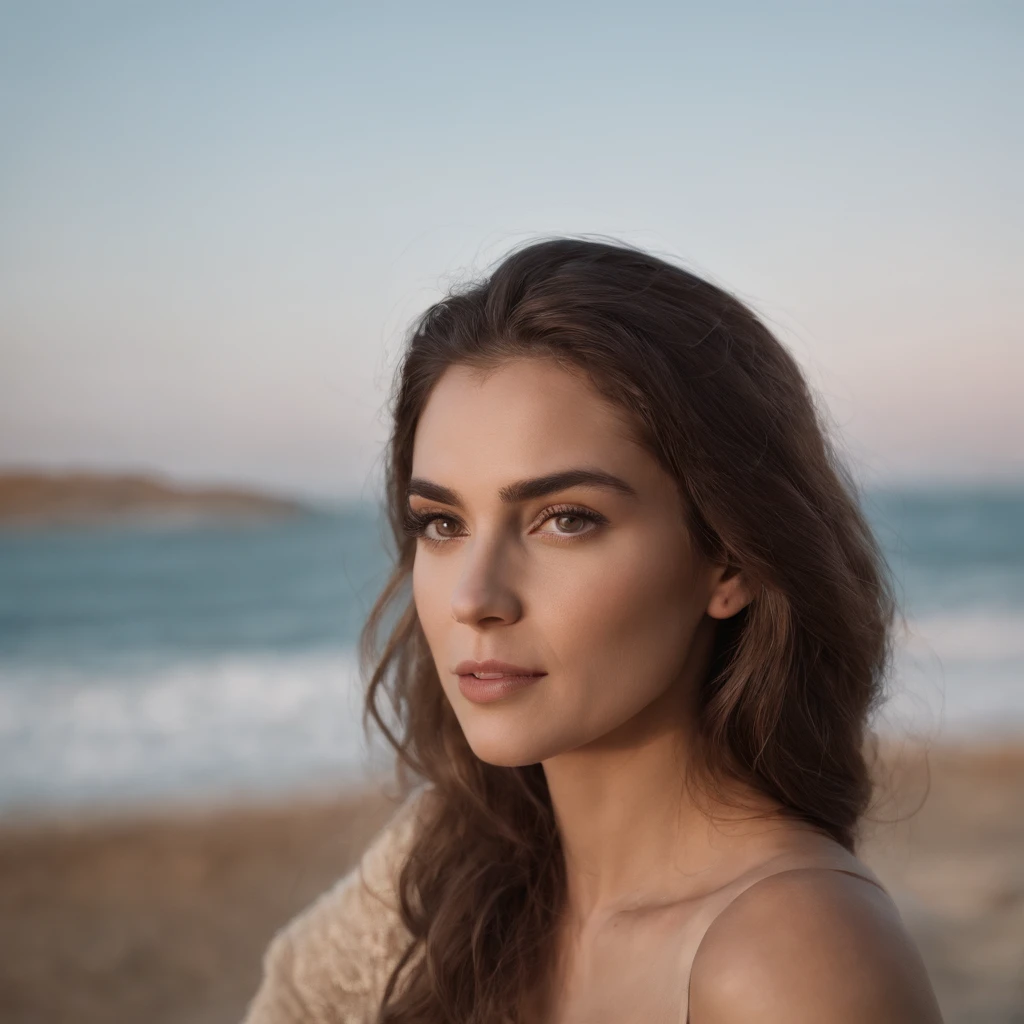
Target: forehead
{"points": [[528, 416]]}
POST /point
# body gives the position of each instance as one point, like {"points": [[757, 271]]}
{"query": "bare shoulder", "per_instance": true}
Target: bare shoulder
{"points": [[808, 945]]}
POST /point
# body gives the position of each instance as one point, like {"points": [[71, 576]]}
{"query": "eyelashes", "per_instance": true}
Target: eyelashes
{"points": [[414, 524]]}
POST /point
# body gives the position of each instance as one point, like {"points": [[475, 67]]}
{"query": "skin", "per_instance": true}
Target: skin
{"points": [[620, 613]]}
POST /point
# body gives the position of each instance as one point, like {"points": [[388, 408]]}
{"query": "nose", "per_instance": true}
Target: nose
{"points": [[484, 593]]}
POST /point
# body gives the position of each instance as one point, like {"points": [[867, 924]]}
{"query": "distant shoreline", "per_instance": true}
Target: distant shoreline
{"points": [[32, 499]]}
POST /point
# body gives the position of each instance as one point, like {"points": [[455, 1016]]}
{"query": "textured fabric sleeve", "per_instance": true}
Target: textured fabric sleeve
{"points": [[330, 963]]}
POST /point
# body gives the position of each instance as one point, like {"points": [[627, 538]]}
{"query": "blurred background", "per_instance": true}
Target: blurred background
{"points": [[217, 221]]}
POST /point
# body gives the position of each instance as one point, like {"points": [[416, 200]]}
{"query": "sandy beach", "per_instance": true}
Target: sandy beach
{"points": [[164, 917]]}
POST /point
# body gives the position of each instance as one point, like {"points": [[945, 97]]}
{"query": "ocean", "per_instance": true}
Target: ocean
{"points": [[158, 665]]}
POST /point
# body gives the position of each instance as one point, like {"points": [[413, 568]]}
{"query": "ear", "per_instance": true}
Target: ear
{"points": [[729, 592]]}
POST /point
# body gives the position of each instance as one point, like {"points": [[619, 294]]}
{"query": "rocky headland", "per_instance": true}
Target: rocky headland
{"points": [[35, 499]]}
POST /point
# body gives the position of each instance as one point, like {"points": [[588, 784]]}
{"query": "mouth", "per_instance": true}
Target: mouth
{"points": [[489, 687], [483, 682], [493, 667]]}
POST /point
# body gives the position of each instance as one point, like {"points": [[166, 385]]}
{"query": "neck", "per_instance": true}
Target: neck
{"points": [[632, 833], [623, 813]]}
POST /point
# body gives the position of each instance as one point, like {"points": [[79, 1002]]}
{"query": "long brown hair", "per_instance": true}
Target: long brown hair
{"points": [[794, 676]]}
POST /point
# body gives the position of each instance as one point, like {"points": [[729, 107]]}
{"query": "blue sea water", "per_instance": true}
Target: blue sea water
{"points": [[203, 662]]}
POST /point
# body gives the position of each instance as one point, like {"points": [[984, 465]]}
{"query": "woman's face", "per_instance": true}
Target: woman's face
{"points": [[595, 585]]}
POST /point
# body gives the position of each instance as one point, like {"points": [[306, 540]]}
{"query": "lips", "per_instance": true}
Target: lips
{"points": [[484, 682], [491, 667]]}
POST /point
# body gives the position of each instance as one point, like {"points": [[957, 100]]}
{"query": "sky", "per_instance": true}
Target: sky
{"points": [[218, 220]]}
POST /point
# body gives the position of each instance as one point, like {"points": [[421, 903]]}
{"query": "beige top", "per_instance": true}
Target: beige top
{"points": [[330, 964]]}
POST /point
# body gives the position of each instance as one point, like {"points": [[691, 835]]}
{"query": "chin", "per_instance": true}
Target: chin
{"points": [[506, 746]]}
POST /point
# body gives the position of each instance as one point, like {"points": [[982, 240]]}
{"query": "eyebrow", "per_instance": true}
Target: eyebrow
{"points": [[525, 490]]}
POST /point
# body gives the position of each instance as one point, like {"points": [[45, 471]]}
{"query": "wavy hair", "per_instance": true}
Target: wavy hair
{"points": [[794, 676]]}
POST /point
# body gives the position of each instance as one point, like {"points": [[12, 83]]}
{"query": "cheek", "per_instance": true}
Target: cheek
{"points": [[433, 605], [431, 594], [622, 629]]}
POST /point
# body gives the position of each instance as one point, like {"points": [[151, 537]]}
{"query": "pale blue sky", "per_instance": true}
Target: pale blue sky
{"points": [[217, 220]]}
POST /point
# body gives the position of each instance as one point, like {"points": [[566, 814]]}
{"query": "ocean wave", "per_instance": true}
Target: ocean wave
{"points": [[230, 723], [977, 634]]}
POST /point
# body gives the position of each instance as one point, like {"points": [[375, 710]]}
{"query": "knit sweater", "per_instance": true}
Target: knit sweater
{"points": [[331, 962]]}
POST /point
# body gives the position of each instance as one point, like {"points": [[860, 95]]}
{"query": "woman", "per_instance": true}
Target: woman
{"points": [[647, 625]]}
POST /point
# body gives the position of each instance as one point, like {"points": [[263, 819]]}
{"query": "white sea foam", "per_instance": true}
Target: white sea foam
{"points": [[959, 672], [978, 634], [231, 723]]}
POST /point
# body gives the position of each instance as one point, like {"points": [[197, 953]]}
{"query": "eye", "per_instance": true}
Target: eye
{"points": [[415, 524], [581, 521]]}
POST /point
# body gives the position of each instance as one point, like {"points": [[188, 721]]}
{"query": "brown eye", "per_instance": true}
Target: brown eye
{"points": [[569, 523], [443, 532], [578, 520]]}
